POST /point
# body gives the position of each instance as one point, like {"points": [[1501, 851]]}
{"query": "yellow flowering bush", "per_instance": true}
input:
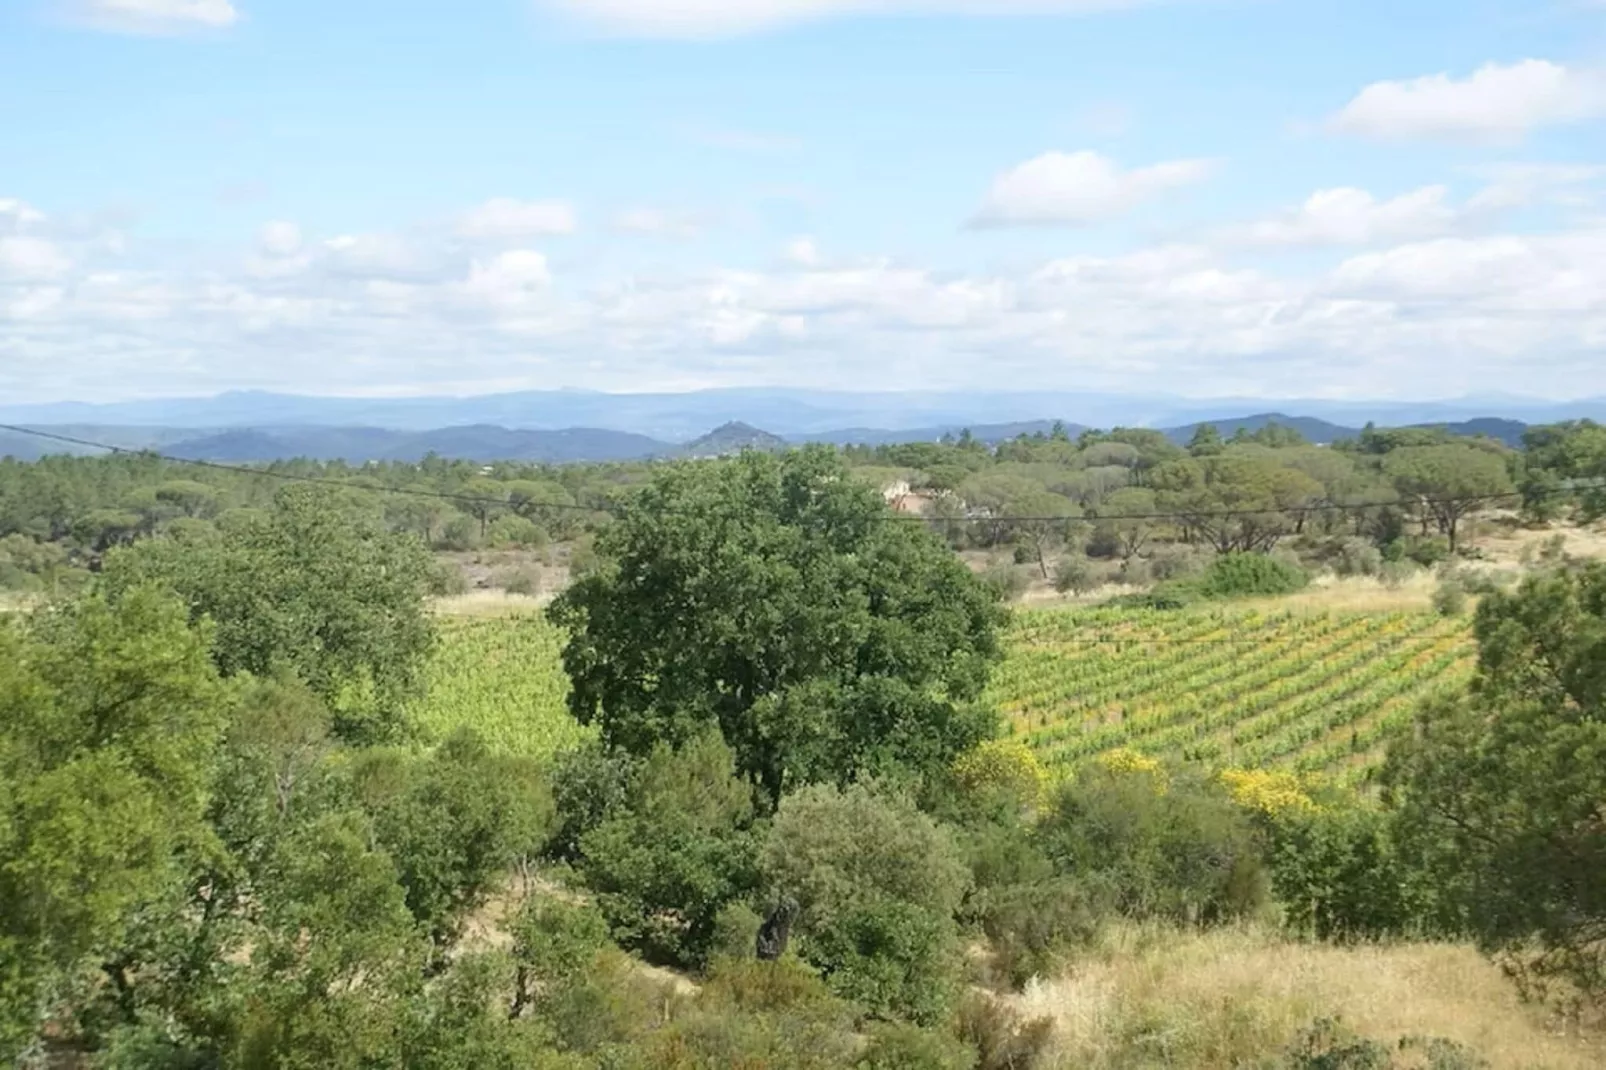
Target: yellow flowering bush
{"points": [[1268, 791], [1005, 767]]}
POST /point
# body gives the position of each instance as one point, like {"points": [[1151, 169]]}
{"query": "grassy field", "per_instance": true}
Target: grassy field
{"points": [[1241, 686], [1226, 998]]}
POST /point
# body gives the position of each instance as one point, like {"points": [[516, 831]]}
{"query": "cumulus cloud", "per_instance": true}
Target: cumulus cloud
{"points": [[1495, 103], [1079, 188], [803, 251], [1428, 315], [1349, 216], [658, 223], [154, 16], [279, 239], [17, 215], [504, 217], [32, 259], [729, 18]]}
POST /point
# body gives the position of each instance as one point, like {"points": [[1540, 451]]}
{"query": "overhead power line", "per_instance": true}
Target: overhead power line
{"points": [[1185, 516]]}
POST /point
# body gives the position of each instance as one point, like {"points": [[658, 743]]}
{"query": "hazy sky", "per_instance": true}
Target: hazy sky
{"points": [[1318, 197]]}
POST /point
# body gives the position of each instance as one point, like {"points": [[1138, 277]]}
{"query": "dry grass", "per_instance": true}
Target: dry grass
{"points": [[491, 603], [1360, 594], [1229, 998]]}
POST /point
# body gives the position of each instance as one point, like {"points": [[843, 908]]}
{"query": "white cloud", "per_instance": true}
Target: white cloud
{"points": [[32, 259], [1461, 312], [155, 16], [507, 280], [803, 251], [1516, 185], [1080, 188], [658, 223], [504, 217], [17, 215], [728, 18], [1495, 103], [279, 239], [1349, 216]]}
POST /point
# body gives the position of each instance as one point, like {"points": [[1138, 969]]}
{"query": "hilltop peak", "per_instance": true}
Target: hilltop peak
{"points": [[733, 437]]}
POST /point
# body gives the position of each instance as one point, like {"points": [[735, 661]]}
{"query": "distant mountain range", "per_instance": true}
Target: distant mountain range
{"points": [[793, 414], [485, 442]]}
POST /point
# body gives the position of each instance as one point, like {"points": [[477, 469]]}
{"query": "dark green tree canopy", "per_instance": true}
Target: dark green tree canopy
{"points": [[1501, 790], [317, 588], [772, 597]]}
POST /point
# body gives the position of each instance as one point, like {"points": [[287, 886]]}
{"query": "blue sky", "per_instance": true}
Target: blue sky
{"points": [[1274, 197]]}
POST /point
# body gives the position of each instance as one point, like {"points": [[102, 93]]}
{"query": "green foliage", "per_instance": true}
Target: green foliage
{"points": [[1340, 876], [315, 588], [1239, 575], [1156, 846], [455, 822], [765, 596], [1328, 1045], [1450, 481], [109, 719], [900, 1046], [1450, 597], [1498, 790], [503, 679], [667, 855], [878, 883]]}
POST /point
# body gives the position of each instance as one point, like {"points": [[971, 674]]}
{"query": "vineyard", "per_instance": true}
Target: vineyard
{"points": [[503, 678], [1236, 687], [1226, 687]]}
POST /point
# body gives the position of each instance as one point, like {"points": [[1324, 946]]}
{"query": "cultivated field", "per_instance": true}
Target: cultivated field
{"points": [[501, 676], [1229, 686], [1240, 687]]}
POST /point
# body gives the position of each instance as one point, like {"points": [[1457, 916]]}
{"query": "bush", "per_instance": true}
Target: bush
{"points": [[1033, 929], [1357, 557], [1242, 575], [1007, 581], [735, 934], [1450, 598], [895, 1046], [878, 883], [680, 848], [511, 530], [1396, 574], [1076, 576], [525, 581], [1151, 844], [1002, 1038], [1176, 563]]}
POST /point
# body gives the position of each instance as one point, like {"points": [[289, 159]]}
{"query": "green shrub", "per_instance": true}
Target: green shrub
{"points": [[1034, 928], [896, 1046], [735, 933], [1076, 576], [1328, 1045], [680, 848], [1003, 1040], [512, 530], [878, 883], [1153, 845], [1450, 598], [1007, 581], [1242, 575]]}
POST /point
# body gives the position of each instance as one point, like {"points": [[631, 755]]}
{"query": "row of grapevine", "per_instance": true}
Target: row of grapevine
{"points": [[504, 679], [1309, 692]]}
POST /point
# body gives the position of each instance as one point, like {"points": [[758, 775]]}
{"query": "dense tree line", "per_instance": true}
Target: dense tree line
{"points": [[1125, 496]]}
